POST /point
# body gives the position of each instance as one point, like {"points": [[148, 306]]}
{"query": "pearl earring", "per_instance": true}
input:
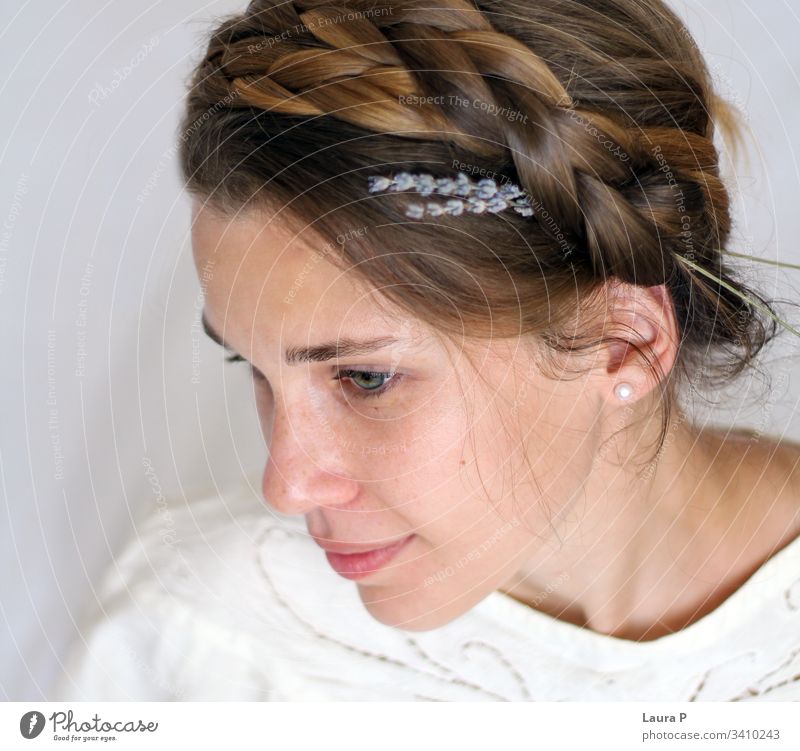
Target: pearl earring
{"points": [[624, 390]]}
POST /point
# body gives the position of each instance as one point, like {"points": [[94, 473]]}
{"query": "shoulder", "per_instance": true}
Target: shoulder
{"points": [[176, 613], [776, 462], [762, 477], [186, 547]]}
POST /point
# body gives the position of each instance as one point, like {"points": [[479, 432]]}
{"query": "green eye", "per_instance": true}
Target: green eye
{"points": [[368, 380], [369, 383]]}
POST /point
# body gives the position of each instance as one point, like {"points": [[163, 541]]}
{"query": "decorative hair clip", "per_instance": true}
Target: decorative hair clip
{"points": [[467, 194], [474, 196]]}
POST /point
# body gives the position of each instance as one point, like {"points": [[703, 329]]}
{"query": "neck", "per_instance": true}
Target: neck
{"points": [[647, 547]]}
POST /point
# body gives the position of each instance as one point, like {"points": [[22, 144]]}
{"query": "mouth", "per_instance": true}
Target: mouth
{"points": [[363, 563]]}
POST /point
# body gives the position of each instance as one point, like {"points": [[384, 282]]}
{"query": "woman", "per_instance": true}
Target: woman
{"points": [[474, 255]]}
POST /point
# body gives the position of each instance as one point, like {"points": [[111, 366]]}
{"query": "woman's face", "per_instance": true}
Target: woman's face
{"points": [[442, 454]]}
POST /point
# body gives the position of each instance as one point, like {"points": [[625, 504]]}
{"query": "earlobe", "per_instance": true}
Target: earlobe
{"points": [[623, 391]]}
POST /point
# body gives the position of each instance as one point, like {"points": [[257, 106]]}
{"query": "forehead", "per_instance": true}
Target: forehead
{"points": [[257, 272], [247, 249]]}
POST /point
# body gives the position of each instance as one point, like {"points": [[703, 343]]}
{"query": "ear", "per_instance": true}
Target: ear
{"points": [[643, 339]]}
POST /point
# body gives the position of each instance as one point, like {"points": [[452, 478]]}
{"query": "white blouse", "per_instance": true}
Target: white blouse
{"points": [[223, 599]]}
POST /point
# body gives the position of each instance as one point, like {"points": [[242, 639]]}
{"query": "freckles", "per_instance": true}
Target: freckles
{"points": [[378, 448]]}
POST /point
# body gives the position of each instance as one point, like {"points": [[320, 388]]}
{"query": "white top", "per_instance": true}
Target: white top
{"points": [[225, 600]]}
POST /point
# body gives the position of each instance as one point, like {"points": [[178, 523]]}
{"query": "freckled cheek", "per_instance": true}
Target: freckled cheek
{"points": [[431, 494], [393, 431], [369, 449], [417, 452], [417, 475], [368, 446]]}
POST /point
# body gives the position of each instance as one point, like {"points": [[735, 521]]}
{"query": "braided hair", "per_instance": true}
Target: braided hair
{"points": [[602, 110]]}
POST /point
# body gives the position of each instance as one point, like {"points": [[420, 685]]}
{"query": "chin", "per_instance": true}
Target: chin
{"points": [[413, 610]]}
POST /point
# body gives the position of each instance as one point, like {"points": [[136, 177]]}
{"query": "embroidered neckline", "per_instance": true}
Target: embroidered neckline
{"points": [[710, 627]]}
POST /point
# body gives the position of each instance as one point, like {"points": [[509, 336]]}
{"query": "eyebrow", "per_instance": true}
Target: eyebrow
{"points": [[317, 353]]}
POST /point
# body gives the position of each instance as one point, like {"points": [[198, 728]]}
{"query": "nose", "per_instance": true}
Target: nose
{"points": [[305, 468]]}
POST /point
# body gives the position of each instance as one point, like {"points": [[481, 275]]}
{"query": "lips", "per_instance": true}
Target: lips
{"points": [[356, 562], [348, 548]]}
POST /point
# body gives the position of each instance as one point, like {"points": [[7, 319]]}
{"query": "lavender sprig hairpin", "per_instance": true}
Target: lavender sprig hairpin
{"points": [[464, 194]]}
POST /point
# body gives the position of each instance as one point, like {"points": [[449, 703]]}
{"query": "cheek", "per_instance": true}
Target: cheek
{"points": [[496, 488], [417, 464], [455, 484], [412, 438]]}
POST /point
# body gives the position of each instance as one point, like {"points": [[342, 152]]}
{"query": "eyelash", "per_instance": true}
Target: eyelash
{"points": [[392, 377]]}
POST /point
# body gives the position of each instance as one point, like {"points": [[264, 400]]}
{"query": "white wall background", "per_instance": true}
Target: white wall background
{"points": [[97, 290]]}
